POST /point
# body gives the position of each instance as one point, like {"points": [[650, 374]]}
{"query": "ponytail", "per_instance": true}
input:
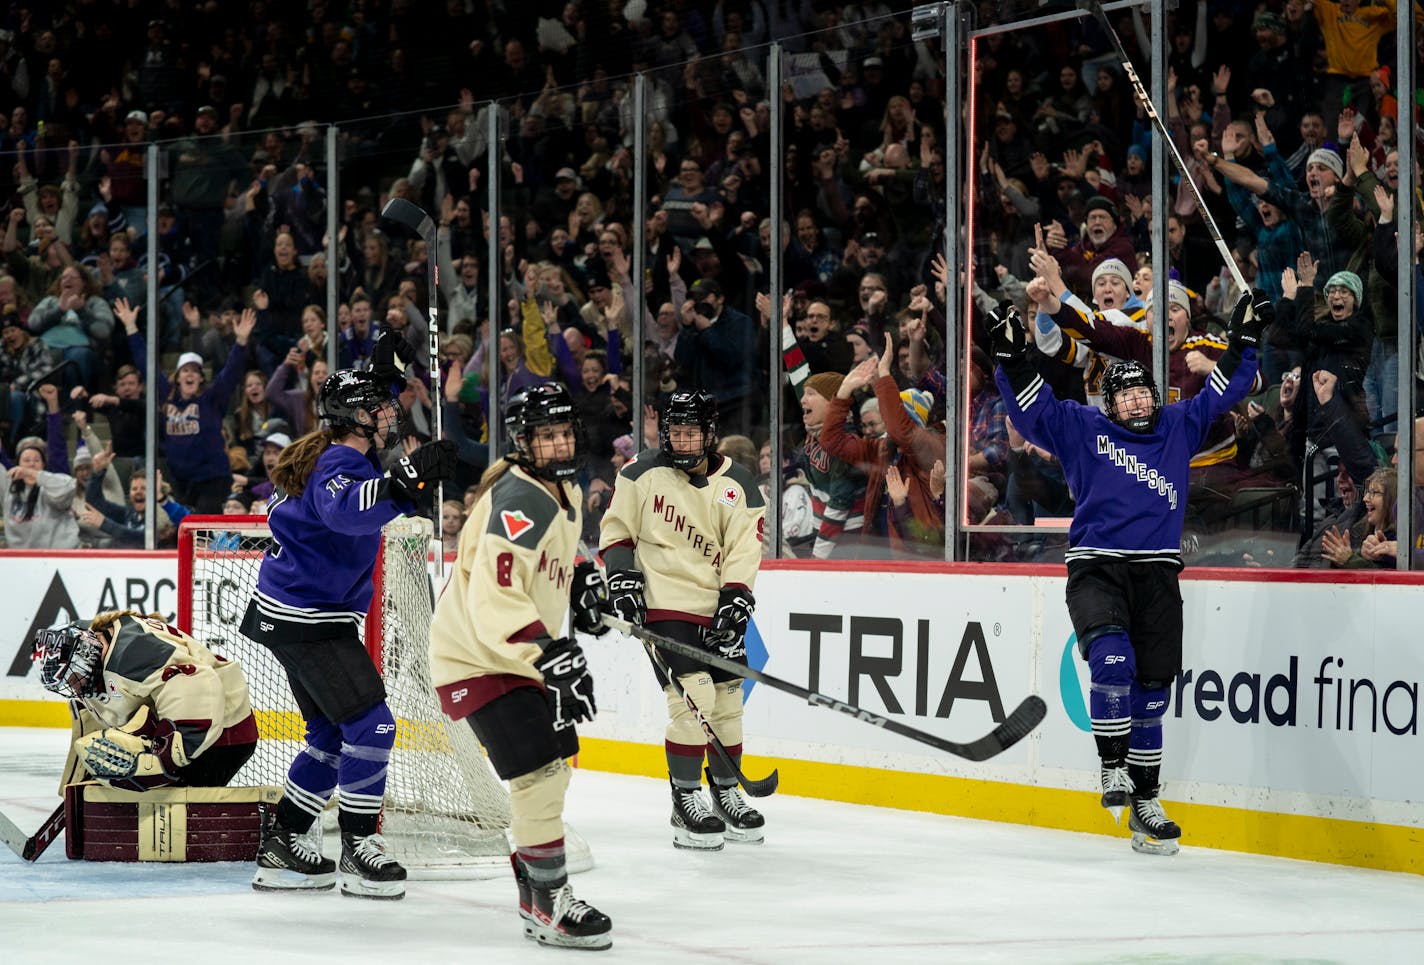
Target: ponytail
{"points": [[294, 467]]}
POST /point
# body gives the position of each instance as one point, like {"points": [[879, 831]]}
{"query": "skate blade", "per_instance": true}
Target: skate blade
{"points": [[557, 939], [688, 841], [1116, 813], [1164, 847], [357, 887], [744, 835], [285, 879]]}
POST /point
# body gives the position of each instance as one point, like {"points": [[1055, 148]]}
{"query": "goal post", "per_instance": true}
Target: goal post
{"points": [[446, 812]]}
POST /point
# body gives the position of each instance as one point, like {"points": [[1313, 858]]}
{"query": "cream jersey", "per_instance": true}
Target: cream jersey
{"points": [[690, 535], [509, 590], [148, 662]]}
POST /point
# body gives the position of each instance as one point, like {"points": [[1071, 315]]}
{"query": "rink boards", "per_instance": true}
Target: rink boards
{"points": [[1293, 729]]}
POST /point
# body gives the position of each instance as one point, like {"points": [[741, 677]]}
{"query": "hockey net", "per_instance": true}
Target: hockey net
{"points": [[446, 812]]}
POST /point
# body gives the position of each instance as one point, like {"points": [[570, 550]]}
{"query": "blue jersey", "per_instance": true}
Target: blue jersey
{"points": [[319, 569], [1130, 488]]}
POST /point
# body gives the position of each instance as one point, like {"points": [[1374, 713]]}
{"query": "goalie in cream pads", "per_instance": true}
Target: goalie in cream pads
{"points": [[159, 708]]}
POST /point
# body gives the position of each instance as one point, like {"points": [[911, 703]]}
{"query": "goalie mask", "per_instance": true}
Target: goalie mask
{"points": [[348, 393], [695, 408], [1121, 377], [69, 659], [546, 404]]}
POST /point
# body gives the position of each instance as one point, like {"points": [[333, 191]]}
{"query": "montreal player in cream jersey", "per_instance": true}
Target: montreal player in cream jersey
{"points": [[682, 541], [496, 658]]}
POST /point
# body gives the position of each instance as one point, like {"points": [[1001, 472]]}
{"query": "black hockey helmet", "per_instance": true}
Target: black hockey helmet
{"points": [[347, 393], [69, 659], [689, 408], [1124, 375], [544, 404]]}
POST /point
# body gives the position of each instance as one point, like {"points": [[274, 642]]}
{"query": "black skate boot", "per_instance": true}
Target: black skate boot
{"points": [[745, 824], [288, 861], [558, 918], [526, 899], [695, 826], [367, 871], [1117, 786], [1152, 831]]}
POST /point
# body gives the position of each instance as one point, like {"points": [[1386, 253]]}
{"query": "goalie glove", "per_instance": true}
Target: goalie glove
{"points": [[727, 634], [1249, 318], [567, 683], [625, 596], [135, 757], [415, 476], [586, 599]]}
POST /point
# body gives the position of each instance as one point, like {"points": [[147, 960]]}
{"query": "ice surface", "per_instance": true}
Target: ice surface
{"points": [[835, 883]]}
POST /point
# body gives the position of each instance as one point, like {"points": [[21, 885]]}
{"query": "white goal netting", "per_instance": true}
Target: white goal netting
{"points": [[446, 812]]}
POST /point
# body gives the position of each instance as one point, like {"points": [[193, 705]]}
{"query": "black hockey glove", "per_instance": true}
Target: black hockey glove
{"points": [[413, 477], [727, 634], [567, 683], [625, 596], [586, 599], [1253, 312], [1009, 334], [390, 356]]}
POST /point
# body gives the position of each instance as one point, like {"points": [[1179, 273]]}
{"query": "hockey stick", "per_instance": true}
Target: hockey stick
{"points": [[30, 848], [414, 218], [1096, 9], [1025, 717], [762, 788]]}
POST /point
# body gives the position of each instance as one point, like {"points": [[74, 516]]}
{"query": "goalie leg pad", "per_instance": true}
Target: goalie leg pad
{"points": [[366, 742], [536, 804]]}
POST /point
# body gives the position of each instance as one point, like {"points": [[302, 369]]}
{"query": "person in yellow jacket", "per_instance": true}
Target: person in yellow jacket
{"points": [[163, 709], [497, 660], [682, 543]]}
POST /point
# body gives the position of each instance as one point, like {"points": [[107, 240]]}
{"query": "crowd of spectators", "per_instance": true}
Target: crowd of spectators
{"points": [[1285, 110]]}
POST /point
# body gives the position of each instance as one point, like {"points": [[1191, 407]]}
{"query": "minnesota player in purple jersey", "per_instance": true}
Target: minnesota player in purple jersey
{"points": [[1127, 468], [313, 589]]}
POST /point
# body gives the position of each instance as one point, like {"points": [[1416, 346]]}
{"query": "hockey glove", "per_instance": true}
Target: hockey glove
{"points": [[586, 599], [567, 683], [1009, 334], [413, 477], [727, 634], [1253, 312], [135, 757], [391, 355], [625, 596]]}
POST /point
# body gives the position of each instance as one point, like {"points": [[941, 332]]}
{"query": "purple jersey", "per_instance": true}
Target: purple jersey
{"points": [[1130, 488]]}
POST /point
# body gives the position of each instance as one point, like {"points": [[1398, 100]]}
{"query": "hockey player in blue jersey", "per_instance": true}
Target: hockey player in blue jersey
{"points": [[313, 589], [1127, 468]]}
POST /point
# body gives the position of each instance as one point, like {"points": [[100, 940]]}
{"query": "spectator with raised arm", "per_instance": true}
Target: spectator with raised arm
{"points": [[193, 415], [124, 525], [39, 497], [76, 322]]}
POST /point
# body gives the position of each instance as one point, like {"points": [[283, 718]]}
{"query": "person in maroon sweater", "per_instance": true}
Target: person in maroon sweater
{"points": [[1104, 236]]}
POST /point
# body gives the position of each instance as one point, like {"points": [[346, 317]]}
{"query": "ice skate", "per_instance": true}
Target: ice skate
{"points": [[1117, 786], [695, 826], [526, 897], [1152, 831], [287, 861], [558, 918], [744, 823], [367, 871]]}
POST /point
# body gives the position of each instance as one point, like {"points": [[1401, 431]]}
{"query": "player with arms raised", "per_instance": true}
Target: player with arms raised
{"points": [[313, 589], [496, 661], [1127, 469], [682, 543]]}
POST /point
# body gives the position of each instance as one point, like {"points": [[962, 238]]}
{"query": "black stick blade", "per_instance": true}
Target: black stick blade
{"points": [[1020, 724], [766, 787], [408, 215]]}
